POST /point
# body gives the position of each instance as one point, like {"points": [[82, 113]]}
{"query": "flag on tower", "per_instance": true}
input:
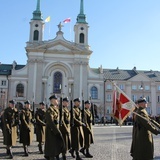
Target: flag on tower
{"points": [[122, 105], [67, 20], [48, 19]]}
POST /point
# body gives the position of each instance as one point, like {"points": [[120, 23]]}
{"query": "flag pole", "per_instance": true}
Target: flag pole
{"points": [[132, 110]]}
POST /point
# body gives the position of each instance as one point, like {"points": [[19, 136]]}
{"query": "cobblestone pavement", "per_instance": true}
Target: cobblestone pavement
{"points": [[111, 143]]}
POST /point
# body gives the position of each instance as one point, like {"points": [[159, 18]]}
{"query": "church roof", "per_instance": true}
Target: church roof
{"points": [[6, 69]]}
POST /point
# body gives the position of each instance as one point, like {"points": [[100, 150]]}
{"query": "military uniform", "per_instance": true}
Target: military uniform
{"points": [[10, 128], [65, 127], [143, 146], [26, 128], [40, 126], [54, 143], [88, 132], [77, 135]]}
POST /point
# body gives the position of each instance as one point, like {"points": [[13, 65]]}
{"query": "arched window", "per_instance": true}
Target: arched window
{"points": [[57, 79], [81, 38], [94, 92], [20, 90], [36, 35]]}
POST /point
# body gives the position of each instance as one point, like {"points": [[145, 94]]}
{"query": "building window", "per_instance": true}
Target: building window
{"points": [[134, 98], [147, 88], [134, 87], [109, 87], [158, 110], [3, 83], [147, 98], [158, 88], [94, 92], [121, 86], [148, 109], [109, 98], [36, 35], [57, 86], [158, 99], [109, 109], [20, 90], [81, 40]]}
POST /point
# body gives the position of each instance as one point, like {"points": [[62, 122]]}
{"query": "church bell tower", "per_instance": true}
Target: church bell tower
{"points": [[81, 27], [36, 25]]}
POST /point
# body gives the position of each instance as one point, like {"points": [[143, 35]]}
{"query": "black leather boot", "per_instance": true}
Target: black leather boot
{"points": [[78, 157], [57, 157], [40, 148], [10, 154], [83, 151], [7, 151], [64, 157], [88, 155], [26, 151], [71, 151]]}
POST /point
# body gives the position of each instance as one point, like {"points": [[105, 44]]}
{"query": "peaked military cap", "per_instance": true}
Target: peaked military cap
{"points": [[42, 103], [66, 99], [53, 97], [27, 102], [12, 101], [87, 102], [142, 100], [77, 99]]}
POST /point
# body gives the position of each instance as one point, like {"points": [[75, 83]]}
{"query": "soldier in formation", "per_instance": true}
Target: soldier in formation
{"points": [[77, 135], [10, 127], [54, 143], [142, 147], [26, 127], [59, 129], [88, 132], [40, 125], [65, 127]]}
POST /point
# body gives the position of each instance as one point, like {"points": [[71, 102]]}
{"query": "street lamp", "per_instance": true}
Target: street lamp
{"points": [[104, 102], [142, 88]]}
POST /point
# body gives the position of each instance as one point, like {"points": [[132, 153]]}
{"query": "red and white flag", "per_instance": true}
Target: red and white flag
{"points": [[67, 20], [122, 105]]}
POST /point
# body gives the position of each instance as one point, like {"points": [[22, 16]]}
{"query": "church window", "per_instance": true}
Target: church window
{"points": [[81, 38], [20, 90], [57, 86], [36, 35], [94, 92]]}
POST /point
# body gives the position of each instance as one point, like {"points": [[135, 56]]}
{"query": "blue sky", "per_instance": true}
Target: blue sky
{"points": [[122, 33]]}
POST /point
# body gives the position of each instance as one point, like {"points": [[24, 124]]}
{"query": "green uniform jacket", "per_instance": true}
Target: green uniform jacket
{"points": [[54, 143], [77, 135], [40, 125], [65, 128], [143, 146], [10, 126], [26, 127], [88, 132]]}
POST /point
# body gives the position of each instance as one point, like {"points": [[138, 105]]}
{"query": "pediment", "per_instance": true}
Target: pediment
{"points": [[59, 47], [140, 77]]}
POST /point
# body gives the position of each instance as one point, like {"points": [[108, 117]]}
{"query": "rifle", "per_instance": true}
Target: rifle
{"points": [[92, 111], [71, 111], [33, 113], [83, 111], [60, 112]]}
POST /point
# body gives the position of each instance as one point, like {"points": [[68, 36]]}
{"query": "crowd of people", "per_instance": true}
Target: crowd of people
{"points": [[58, 129]]}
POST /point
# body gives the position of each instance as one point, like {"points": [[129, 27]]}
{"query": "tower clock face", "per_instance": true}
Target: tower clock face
{"points": [[36, 25], [82, 28]]}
